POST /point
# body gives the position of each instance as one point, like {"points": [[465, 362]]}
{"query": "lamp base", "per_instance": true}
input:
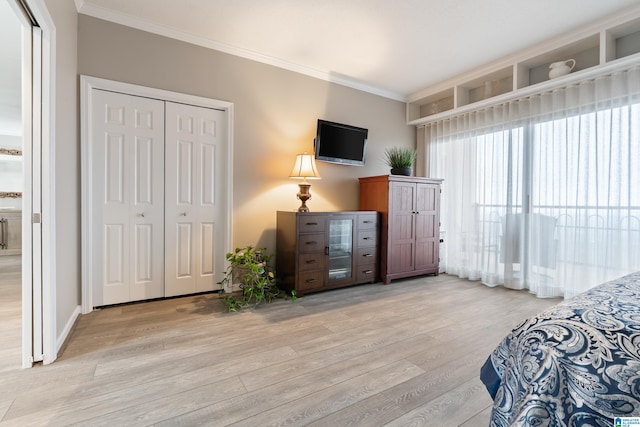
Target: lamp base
{"points": [[303, 196]]}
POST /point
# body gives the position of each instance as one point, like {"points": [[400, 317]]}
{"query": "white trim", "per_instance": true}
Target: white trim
{"points": [[41, 301], [67, 328], [27, 137], [36, 196], [151, 27], [87, 85], [42, 16]]}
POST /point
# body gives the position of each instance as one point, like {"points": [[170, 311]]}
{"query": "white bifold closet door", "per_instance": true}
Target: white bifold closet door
{"points": [[128, 193], [195, 138]]}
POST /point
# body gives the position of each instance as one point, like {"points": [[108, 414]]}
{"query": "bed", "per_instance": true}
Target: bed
{"points": [[575, 364]]}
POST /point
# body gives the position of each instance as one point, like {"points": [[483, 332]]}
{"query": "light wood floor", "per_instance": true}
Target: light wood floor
{"points": [[10, 313], [404, 354]]}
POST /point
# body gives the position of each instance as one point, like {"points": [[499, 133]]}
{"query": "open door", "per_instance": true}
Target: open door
{"points": [[32, 107]]}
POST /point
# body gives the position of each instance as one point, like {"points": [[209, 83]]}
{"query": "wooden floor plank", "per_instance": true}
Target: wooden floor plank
{"points": [[369, 355]]}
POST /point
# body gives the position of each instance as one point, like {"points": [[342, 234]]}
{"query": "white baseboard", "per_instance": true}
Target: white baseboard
{"points": [[68, 327]]}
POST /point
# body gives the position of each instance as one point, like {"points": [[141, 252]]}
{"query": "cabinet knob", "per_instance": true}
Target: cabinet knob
{"points": [[441, 240]]}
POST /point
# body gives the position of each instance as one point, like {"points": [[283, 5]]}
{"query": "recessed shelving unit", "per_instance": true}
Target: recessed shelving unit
{"points": [[495, 83], [432, 104], [593, 48], [586, 53], [622, 40]]}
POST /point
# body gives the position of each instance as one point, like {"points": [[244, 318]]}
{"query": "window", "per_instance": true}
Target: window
{"points": [[543, 193]]}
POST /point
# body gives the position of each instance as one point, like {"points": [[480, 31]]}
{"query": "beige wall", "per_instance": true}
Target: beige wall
{"points": [[275, 118], [65, 151]]}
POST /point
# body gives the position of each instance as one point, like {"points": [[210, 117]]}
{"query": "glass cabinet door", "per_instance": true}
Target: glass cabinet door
{"points": [[340, 263]]}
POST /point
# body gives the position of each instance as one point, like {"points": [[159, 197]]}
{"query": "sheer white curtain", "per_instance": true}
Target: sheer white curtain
{"points": [[543, 193]]}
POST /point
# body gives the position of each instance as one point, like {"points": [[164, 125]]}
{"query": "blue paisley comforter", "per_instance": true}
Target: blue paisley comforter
{"points": [[575, 364]]}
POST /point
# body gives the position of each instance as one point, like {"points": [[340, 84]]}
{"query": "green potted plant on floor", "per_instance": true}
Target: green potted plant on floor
{"points": [[249, 269], [400, 159]]}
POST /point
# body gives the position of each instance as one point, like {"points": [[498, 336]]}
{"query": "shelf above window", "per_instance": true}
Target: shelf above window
{"points": [[594, 48]]}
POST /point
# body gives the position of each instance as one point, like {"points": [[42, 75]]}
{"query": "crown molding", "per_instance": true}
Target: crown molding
{"points": [[130, 21]]}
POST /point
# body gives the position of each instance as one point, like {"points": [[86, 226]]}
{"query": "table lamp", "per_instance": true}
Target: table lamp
{"points": [[304, 168]]}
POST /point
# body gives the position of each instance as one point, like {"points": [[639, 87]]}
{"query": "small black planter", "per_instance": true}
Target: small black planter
{"points": [[401, 171]]}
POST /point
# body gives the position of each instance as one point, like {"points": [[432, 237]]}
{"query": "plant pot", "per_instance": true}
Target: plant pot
{"points": [[238, 276], [401, 171]]}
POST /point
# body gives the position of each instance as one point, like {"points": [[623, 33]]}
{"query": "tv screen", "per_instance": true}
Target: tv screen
{"points": [[338, 143]]}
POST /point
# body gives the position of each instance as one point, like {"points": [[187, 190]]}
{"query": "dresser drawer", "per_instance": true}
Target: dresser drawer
{"points": [[311, 261], [366, 256], [311, 223], [310, 280], [368, 221], [367, 238], [311, 242], [366, 272]]}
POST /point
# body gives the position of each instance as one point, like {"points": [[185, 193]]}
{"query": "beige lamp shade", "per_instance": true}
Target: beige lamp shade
{"points": [[305, 167]]}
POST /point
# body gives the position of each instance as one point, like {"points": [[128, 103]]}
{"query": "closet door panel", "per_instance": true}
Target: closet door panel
{"points": [[184, 264], [128, 188], [193, 139]]}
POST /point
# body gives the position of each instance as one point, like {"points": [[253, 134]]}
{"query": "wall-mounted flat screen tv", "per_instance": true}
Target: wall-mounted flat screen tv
{"points": [[338, 143]]}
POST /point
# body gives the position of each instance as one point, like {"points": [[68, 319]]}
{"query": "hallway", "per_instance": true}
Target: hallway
{"points": [[10, 312]]}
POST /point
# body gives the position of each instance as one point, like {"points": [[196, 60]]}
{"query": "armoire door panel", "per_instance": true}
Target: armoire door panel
{"points": [[402, 257], [403, 228], [427, 197], [426, 227], [427, 254], [128, 183]]}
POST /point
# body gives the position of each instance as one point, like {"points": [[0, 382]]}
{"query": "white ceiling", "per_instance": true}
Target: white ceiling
{"points": [[389, 47]]}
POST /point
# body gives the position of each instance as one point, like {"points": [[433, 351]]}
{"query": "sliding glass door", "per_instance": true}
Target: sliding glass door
{"points": [[543, 193]]}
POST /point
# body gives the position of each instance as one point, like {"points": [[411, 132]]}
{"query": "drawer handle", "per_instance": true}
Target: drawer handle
{"points": [[311, 223], [312, 280], [368, 271], [312, 242], [311, 261], [368, 222], [366, 238], [365, 255]]}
